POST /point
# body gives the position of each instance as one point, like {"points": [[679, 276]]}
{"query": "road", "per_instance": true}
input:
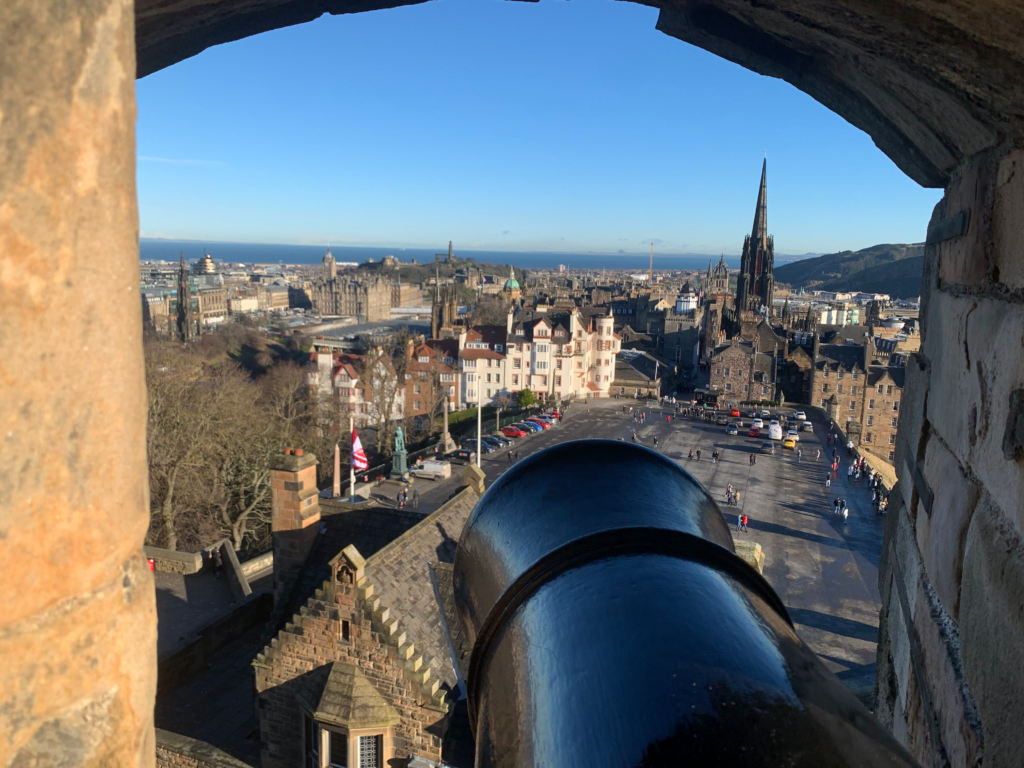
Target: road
{"points": [[824, 570]]}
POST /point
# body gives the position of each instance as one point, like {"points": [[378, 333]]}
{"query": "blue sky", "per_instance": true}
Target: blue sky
{"points": [[565, 126]]}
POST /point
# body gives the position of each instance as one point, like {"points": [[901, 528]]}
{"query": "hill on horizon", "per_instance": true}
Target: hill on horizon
{"points": [[887, 268]]}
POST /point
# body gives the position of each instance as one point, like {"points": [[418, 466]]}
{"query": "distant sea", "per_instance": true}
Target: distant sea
{"points": [[266, 253]]}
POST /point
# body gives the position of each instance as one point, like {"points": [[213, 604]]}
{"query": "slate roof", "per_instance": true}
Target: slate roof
{"points": [[633, 365], [876, 373], [836, 357], [444, 574], [400, 573]]}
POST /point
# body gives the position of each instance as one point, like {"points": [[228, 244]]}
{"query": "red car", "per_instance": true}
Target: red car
{"points": [[512, 432], [540, 423], [555, 414], [735, 412], [754, 432]]}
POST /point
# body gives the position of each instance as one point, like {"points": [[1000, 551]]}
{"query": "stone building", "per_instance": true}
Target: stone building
{"points": [[432, 376], [881, 416], [639, 374], [444, 310], [740, 372], [368, 671], [213, 305], [755, 285], [716, 281], [366, 297]]}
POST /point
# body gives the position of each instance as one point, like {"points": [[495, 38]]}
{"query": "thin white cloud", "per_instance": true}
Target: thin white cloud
{"points": [[182, 161]]}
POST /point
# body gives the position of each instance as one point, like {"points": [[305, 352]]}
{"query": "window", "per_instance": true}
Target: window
{"points": [[345, 630], [488, 378], [423, 359], [423, 376], [447, 361], [312, 731], [542, 365], [488, 392], [370, 749], [894, 422], [416, 389], [840, 375], [415, 405], [726, 371], [867, 437], [606, 378], [839, 389], [728, 387], [853, 390], [489, 362], [854, 375], [823, 403], [558, 364], [826, 374], [517, 363], [888, 390], [744, 387], [853, 405], [469, 363], [892, 456], [497, 378], [871, 421], [895, 405], [558, 381], [451, 391], [337, 749], [892, 439], [824, 388], [579, 364], [515, 380], [542, 349], [497, 347], [470, 377], [470, 395], [871, 405], [764, 390], [881, 389], [599, 361], [544, 381]]}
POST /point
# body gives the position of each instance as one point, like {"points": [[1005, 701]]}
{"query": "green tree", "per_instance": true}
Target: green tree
{"points": [[526, 398]]}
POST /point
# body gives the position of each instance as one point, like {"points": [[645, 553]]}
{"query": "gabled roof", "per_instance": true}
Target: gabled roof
{"points": [[480, 354], [633, 365], [447, 347], [487, 334], [840, 357], [877, 373], [340, 694]]}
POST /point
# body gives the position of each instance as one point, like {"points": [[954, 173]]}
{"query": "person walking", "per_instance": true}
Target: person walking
{"points": [[835, 506], [655, 442], [691, 454], [400, 499], [799, 455], [517, 456], [739, 523], [828, 479], [743, 522], [698, 454], [849, 473], [415, 499], [218, 562], [817, 455], [510, 457]]}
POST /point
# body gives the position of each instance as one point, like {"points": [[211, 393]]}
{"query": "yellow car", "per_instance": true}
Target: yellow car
{"points": [[789, 442]]}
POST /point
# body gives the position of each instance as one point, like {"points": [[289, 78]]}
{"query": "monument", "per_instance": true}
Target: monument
{"points": [[398, 465], [447, 444]]}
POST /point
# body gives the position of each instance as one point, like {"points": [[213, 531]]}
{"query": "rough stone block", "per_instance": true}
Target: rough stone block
{"points": [[912, 418], [941, 536], [1008, 221], [962, 259], [991, 619]]}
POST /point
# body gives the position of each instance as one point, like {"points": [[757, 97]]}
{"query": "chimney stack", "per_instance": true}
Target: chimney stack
{"points": [[295, 515]]}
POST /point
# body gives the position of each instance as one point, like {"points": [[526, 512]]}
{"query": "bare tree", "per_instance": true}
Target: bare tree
{"points": [[490, 310]]}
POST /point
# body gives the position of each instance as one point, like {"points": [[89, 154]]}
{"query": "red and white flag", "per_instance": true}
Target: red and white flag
{"points": [[358, 454]]}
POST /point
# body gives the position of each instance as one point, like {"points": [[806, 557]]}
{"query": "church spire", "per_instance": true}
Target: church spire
{"points": [[759, 233]]}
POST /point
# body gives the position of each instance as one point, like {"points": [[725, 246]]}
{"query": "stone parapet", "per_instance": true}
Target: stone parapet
{"points": [[176, 751]]}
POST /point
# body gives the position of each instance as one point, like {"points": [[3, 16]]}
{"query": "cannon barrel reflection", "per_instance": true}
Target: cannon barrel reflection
{"points": [[613, 625]]}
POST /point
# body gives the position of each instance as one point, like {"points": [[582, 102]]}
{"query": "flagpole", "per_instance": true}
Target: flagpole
{"points": [[351, 466]]}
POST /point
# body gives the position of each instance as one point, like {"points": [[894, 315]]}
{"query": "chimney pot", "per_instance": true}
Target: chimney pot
{"points": [[299, 451], [287, 451]]}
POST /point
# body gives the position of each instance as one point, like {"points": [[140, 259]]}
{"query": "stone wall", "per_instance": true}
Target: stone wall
{"points": [[951, 645], [175, 751], [172, 561]]}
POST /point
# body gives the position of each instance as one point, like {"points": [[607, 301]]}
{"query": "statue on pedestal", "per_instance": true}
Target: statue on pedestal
{"points": [[398, 459]]}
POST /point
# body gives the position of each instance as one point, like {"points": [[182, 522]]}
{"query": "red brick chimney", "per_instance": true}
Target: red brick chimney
{"points": [[295, 515]]}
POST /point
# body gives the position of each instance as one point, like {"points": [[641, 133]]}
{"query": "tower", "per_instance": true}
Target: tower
{"points": [[755, 287], [186, 324], [329, 267], [512, 289]]}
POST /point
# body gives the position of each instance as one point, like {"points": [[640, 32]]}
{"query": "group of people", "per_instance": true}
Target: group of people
{"points": [[408, 496], [732, 497], [513, 459], [839, 508]]}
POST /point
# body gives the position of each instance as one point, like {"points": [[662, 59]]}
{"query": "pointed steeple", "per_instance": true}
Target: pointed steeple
{"points": [[759, 233]]}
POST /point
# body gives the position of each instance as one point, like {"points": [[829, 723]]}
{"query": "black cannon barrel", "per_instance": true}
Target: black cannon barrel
{"points": [[613, 625]]}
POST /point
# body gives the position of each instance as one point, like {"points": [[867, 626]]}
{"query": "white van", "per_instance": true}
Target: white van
{"points": [[435, 470], [774, 431]]}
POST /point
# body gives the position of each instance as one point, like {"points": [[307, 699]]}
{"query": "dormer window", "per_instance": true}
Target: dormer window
{"points": [[497, 347], [447, 361], [424, 359]]}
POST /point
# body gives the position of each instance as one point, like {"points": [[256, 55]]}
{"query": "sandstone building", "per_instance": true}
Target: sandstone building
{"points": [[366, 297], [755, 285]]}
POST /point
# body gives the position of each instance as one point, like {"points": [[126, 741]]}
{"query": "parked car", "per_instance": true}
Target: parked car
{"points": [[432, 470], [501, 440], [738, 422], [768, 447], [766, 414], [489, 439], [792, 433], [530, 426], [807, 427], [752, 415], [460, 456], [722, 420], [754, 432], [539, 422], [789, 442], [551, 420], [800, 416], [734, 412], [757, 423], [731, 430], [485, 447], [774, 431], [555, 414], [513, 431]]}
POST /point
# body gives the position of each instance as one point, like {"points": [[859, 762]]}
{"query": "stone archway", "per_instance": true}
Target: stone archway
{"points": [[940, 89]]}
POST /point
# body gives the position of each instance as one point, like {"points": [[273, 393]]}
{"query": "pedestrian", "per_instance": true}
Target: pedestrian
{"points": [[799, 455], [846, 513], [415, 499], [817, 455], [655, 441], [743, 521], [691, 454], [828, 479], [510, 457], [739, 523], [698, 454], [218, 562], [517, 455], [400, 499], [736, 498], [849, 473], [835, 506], [634, 438], [828, 440]]}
